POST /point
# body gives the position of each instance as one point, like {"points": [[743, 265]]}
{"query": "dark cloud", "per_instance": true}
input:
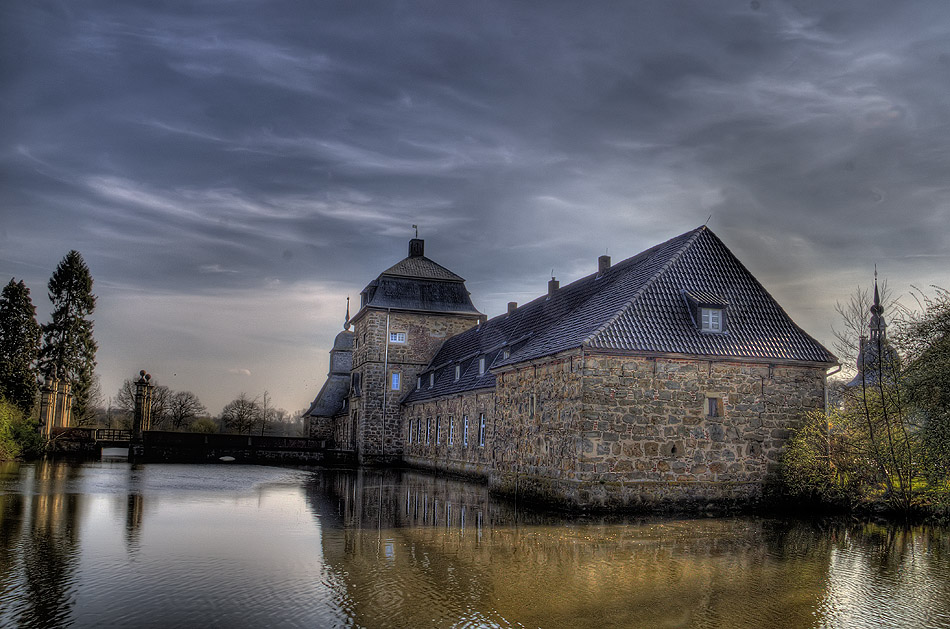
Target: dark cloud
{"points": [[221, 151]]}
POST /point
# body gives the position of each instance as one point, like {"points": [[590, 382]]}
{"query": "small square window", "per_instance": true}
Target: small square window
{"points": [[712, 319], [713, 407], [397, 337]]}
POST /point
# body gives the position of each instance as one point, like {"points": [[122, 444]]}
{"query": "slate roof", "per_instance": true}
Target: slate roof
{"points": [[418, 283], [636, 305], [329, 401]]}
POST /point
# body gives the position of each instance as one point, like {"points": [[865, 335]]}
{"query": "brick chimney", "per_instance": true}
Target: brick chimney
{"points": [[603, 263], [553, 285], [416, 248], [512, 306]]}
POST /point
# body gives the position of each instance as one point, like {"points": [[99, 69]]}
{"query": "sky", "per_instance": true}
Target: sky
{"points": [[232, 170]]}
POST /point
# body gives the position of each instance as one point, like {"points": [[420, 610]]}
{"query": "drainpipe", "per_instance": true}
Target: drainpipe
{"points": [[386, 383]]}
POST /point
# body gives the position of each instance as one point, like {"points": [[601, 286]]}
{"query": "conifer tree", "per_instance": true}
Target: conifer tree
{"points": [[19, 346], [69, 348]]}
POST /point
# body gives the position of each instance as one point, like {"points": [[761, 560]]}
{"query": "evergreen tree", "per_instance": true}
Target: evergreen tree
{"points": [[19, 346], [68, 344]]}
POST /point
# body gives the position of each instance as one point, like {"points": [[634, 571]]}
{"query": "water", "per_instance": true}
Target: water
{"points": [[112, 544]]}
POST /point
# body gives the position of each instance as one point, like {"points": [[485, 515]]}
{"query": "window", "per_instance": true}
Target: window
{"points": [[395, 381], [713, 407], [355, 383], [428, 429], [397, 337], [481, 430], [410, 431], [438, 430], [458, 372], [418, 382], [481, 365], [505, 354], [465, 430], [431, 379], [451, 430], [712, 320], [419, 429]]}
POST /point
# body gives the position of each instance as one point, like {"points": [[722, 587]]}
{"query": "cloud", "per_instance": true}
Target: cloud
{"points": [[240, 372]]}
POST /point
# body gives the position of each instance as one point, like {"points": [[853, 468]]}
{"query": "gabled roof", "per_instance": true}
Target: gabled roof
{"points": [[329, 401], [637, 306]]}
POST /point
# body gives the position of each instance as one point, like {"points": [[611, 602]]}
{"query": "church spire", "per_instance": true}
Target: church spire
{"points": [[878, 325]]}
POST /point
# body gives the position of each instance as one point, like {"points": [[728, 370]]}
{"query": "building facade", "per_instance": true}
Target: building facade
{"points": [[671, 377]]}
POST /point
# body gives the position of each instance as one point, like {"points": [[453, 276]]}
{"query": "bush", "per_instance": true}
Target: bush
{"points": [[19, 436]]}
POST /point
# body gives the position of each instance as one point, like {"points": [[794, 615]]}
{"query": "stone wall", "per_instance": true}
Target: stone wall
{"points": [[600, 431], [379, 426], [448, 415]]}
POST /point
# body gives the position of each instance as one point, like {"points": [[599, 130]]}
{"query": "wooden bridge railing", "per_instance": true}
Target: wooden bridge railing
{"points": [[113, 434]]}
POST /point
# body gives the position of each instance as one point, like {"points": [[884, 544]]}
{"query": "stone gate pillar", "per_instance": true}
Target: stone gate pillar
{"points": [[56, 404], [142, 418]]}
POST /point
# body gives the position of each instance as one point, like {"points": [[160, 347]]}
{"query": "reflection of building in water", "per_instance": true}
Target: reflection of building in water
{"points": [[670, 376], [411, 550]]}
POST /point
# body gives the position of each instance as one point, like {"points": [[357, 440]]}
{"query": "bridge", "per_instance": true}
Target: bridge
{"points": [[189, 447]]}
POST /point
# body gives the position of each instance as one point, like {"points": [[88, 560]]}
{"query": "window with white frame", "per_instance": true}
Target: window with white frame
{"points": [[428, 429], [481, 430], [410, 431], [481, 365], [465, 430], [397, 337], [431, 379], [711, 319], [438, 429], [458, 372], [451, 429], [418, 382], [394, 381]]}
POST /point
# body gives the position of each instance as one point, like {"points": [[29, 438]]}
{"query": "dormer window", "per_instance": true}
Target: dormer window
{"points": [[506, 353], [458, 372], [711, 319], [431, 379], [706, 310], [418, 382], [481, 366]]}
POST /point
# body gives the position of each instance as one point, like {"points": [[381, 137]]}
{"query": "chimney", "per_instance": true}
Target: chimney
{"points": [[553, 285], [603, 263], [512, 306], [416, 247]]}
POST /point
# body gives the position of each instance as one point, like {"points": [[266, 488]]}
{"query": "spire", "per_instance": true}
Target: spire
{"points": [[878, 325], [346, 323]]}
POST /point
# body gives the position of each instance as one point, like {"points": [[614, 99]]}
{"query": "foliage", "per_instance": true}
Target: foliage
{"points": [[241, 414], [69, 348], [204, 425], [889, 437], [19, 436], [19, 346]]}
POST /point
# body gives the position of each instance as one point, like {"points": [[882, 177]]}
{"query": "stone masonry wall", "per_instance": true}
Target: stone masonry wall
{"points": [[445, 415], [380, 430]]}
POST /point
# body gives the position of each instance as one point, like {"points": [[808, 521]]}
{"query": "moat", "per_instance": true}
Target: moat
{"points": [[158, 545]]}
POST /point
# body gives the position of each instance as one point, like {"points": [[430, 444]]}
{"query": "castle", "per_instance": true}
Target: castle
{"points": [[672, 377]]}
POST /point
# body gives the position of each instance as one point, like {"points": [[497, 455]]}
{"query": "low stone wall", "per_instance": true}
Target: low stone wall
{"points": [[195, 448]]}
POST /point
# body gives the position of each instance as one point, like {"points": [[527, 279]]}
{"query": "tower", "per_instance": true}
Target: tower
{"points": [[405, 315]]}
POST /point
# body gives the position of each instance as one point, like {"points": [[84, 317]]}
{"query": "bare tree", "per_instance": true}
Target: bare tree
{"points": [[183, 407], [241, 414]]}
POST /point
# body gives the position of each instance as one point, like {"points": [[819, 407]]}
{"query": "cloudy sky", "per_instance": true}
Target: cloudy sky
{"points": [[232, 170]]}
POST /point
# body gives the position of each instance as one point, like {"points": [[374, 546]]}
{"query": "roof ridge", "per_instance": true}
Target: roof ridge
{"points": [[643, 287], [454, 277]]}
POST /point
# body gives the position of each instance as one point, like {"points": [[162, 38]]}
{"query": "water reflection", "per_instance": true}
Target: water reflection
{"points": [[242, 546], [436, 552]]}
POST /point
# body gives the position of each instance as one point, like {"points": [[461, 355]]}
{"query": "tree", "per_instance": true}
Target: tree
{"points": [[925, 336], [161, 402], [69, 348], [19, 346], [241, 414], [184, 406]]}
